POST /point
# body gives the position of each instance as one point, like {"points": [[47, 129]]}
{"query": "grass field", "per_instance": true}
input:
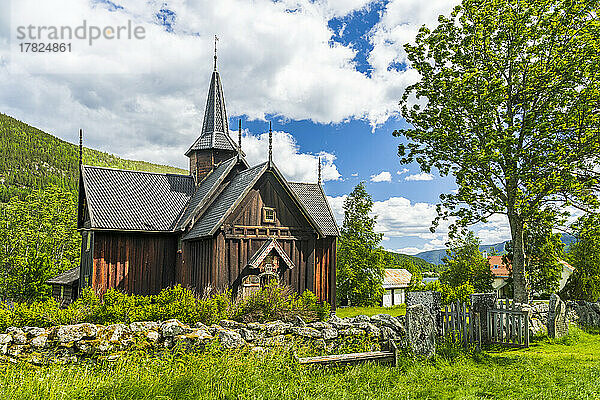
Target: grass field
{"points": [[354, 311], [563, 369]]}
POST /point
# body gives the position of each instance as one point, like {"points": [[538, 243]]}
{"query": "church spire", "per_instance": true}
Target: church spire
{"points": [[215, 128]]}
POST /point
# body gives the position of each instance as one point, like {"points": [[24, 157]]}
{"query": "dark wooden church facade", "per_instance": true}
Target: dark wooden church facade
{"points": [[226, 225]]}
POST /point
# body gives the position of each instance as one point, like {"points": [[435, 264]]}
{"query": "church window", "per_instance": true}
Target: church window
{"points": [[269, 215]]}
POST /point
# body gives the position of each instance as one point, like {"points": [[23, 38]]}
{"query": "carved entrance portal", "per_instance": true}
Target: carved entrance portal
{"points": [[265, 267]]}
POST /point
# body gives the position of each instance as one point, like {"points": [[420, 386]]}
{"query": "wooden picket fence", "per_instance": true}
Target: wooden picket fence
{"points": [[507, 325], [459, 324]]}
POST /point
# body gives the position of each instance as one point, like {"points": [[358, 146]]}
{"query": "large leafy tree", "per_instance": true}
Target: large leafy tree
{"points": [[508, 102], [465, 264], [38, 239], [360, 259], [584, 255]]}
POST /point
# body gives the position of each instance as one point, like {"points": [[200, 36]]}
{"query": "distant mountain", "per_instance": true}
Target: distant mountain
{"points": [[32, 159], [435, 256]]}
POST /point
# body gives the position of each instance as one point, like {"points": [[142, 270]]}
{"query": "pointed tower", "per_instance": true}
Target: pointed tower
{"points": [[214, 144]]}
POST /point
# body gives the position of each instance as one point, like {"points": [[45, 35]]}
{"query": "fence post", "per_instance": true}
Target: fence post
{"points": [[481, 303], [432, 300], [526, 313]]}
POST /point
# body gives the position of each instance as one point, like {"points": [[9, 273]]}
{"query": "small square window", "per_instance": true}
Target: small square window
{"points": [[269, 215]]}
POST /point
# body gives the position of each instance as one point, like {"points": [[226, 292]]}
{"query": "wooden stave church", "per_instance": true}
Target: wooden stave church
{"points": [[142, 232]]}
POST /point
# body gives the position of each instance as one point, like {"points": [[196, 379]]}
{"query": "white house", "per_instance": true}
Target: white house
{"points": [[395, 281]]}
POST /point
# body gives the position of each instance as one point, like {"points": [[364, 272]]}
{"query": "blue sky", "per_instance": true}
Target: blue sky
{"points": [[328, 73]]}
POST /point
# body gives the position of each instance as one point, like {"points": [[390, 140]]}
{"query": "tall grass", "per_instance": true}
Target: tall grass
{"points": [[548, 370]]}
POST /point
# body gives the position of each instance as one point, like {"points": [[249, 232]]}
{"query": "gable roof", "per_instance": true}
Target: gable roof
{"points": [[205, 191], [313, 198], [396, 277], [133, 200], [66, 278], [225, 202], [233, 194], [498, 268], [264, 251]]}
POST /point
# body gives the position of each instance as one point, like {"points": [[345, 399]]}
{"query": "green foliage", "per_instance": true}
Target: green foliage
{"points": [[394, 311], [424, 266], [508, 106], [360, 259], [31, 159], [450, 294], [273, 302], [38, 240], [466, 265], [584, 255]]}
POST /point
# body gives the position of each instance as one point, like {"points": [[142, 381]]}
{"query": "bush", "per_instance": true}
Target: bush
{"points": [[273, 302], [450, 294], [276, 302]]}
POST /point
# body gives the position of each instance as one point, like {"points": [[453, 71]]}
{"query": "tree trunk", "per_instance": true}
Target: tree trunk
{"points": [[521, 294]]}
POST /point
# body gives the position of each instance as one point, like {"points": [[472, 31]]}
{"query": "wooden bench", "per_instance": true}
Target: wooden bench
{"points": [[389, 355]]}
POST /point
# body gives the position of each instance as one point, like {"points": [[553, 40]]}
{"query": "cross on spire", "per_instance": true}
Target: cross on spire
{"points": [[270, 144], [239, 138], [80, 148], [319, 171], [216, 40]]}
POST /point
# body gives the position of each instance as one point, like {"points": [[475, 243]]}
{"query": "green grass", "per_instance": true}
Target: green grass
{"points": [[563, 369], [354, 311]]}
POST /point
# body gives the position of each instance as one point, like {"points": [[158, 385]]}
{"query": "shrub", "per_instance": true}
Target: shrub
{"points": [[273, 302], [276, 302], [449, 293]]}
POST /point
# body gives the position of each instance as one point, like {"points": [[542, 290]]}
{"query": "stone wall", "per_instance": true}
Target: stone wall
{"points": [[584, 313], [538, 318], [69, 343]]}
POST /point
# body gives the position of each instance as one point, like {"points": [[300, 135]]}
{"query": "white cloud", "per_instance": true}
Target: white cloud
{"points": [[337, 207], [296, 166], [383, 176], [153, 110], [422, 176], [400, 24], [402, 171], [398, 218]]}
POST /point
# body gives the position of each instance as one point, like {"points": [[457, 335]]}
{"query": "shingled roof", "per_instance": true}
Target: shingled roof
{"points": [[133, 200], [313, 198], [66, 278], [215, 128], [205, 190], [225, 202], [396, 278]]}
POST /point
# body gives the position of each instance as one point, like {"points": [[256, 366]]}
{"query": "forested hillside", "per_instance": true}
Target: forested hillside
{"points": [[423, 265], [33, 159]]}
